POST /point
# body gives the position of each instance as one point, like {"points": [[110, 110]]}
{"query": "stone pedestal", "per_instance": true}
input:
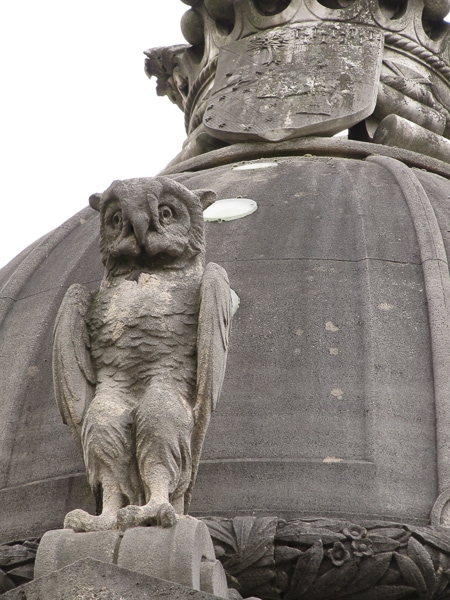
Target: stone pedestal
{"points": [[183, 554], [94, 580]]}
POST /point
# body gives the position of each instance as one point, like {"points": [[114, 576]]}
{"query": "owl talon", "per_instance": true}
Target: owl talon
{"points": [[153, 513], [81, 521], [166, 516]]}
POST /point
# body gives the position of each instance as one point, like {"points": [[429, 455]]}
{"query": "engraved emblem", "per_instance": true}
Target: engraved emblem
{"points": [[295, 81]]}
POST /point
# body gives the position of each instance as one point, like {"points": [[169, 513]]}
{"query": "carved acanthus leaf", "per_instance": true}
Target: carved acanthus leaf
{"points": [[320, 559], [17, 563], [163, 63]]}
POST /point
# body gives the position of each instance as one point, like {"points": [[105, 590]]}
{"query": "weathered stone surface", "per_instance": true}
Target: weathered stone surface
{"points": [[374, 451], [183, 554], [295, 81], [94, 580], [269, 558], [396, 131], [17, 560], [394, 102], [279, 69], [320, 559], [246, 548], [138, 366], [63, 547]]}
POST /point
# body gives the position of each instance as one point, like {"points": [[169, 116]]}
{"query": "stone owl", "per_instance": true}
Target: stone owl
{"points": [[138, 366]]}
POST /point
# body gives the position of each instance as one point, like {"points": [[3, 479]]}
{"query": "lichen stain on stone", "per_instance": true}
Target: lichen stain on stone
{"points": [[33, 371], [337, 393], [333, 351], [330, 326], [385, 306], [332, 459]]}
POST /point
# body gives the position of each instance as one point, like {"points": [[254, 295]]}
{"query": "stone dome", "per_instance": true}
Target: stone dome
{"points": [[334, 402]]}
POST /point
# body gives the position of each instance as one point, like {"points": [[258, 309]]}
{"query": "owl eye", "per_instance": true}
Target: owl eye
{"points": [[116, 219], [165, 213]]}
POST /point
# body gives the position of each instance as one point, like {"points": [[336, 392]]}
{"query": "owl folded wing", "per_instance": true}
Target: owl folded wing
{"points": [[214, 323], [73, 373]]}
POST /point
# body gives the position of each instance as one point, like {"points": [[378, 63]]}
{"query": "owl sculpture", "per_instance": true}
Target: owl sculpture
{"points": [[138, 366]]}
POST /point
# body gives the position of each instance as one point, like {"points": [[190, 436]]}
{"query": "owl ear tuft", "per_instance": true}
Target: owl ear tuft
{"points": [[94, 201], [206, 197]]}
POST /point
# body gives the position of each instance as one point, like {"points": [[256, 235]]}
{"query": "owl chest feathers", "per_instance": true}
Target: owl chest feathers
{"points": [[146, 326]]}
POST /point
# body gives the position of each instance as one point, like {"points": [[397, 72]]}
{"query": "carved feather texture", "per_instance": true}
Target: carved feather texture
{"points": [[139, 367], [214, 323], [74, 376]]}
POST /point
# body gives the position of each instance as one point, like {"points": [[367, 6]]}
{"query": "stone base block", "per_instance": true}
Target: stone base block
{"points": [[94, 580], [183, 554]]}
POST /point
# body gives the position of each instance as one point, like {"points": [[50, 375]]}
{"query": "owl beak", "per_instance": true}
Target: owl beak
{"points": [[139, 225], [126, 244], [140, 228], [146, 224]]}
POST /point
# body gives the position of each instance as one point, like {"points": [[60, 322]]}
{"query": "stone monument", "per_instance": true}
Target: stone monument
{"points": [[139, 366], [325, 471]]}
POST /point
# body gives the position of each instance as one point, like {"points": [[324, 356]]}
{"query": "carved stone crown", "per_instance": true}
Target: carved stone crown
{"points": [[415, 37]]}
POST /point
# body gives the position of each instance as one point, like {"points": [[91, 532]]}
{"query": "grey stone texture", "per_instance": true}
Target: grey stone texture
{"points": [[138, 366], [323, 559], [331, 70], [397, 131], [329, 403], [90, 579], [183, 554], [273, 70]]}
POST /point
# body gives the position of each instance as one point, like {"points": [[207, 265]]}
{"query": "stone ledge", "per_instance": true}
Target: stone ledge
{"points": [[91, 579]]}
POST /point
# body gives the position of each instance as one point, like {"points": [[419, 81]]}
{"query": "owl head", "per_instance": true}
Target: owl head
{"points": [[150, 223]]}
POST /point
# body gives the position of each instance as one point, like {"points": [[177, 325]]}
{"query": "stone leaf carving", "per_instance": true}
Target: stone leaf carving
{"points": [[245, 546], [320, 559], [164, 64], [313, 558], [17, 563], [138, 366], [328, 558]]}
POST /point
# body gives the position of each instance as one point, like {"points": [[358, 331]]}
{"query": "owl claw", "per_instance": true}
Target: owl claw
{"points": [[166, 515], [153, 513], [81, 521]]}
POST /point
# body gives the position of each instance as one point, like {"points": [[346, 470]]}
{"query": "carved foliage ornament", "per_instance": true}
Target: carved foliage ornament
{"points": [[17, 563], [321, 559], [309, 559]]}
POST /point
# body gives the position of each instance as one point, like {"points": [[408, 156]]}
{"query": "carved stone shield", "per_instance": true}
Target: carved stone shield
{"points": [[295, 81]]}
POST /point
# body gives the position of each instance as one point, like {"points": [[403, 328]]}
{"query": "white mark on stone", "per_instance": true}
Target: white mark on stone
{"points": [[235, 302], [252, 166], [299, 332], [385, 306], [297, 351], [332, 459], [334, 351], [33, 371], [337, 393], [330, 326], [229, 209]]}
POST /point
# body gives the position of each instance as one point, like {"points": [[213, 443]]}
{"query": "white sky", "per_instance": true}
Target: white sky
{"points": [[76, 108]]}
